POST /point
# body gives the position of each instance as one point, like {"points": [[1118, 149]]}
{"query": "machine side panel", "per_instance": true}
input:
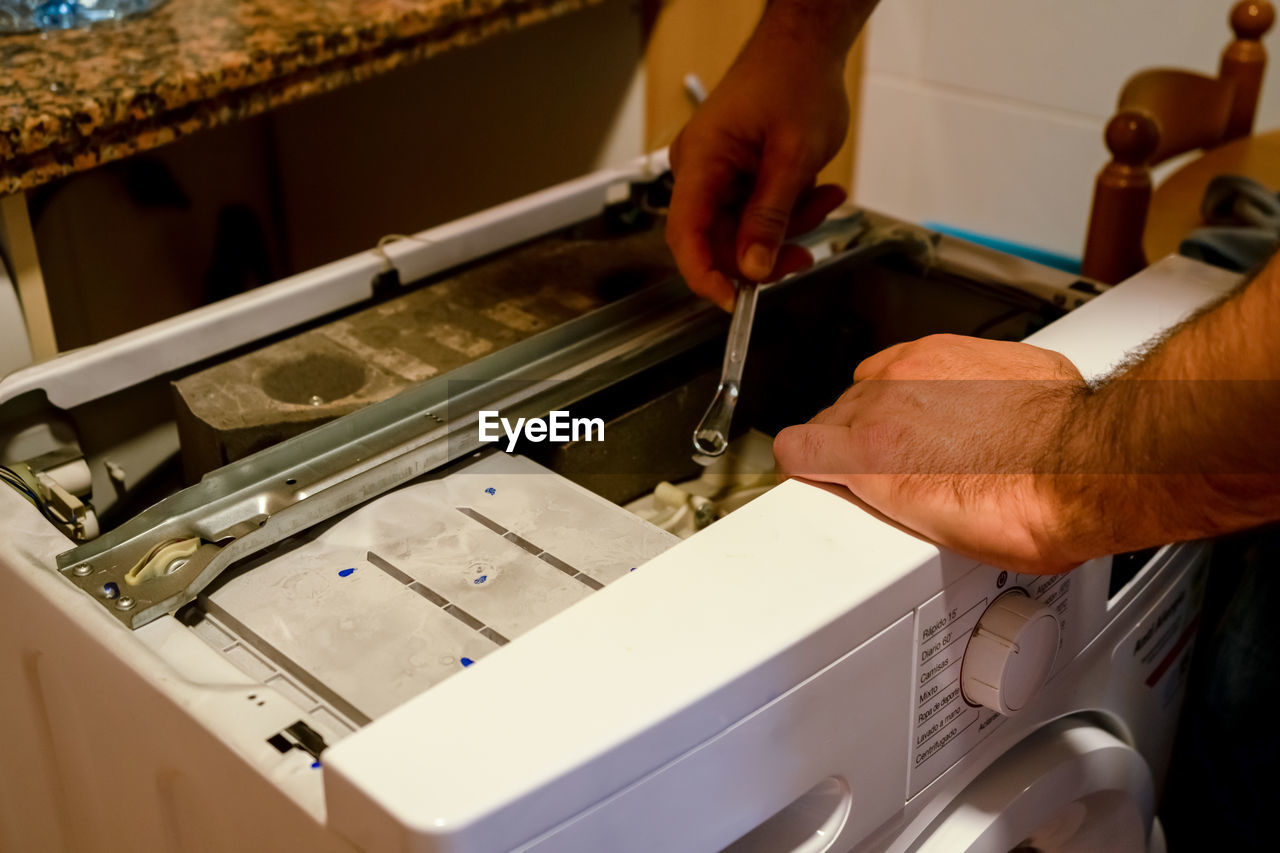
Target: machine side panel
{"points": [[1149, 665], [1107, 680], [104, 749]]}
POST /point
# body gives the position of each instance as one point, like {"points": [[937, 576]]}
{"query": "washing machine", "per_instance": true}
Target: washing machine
{"points": [[387, 634]]}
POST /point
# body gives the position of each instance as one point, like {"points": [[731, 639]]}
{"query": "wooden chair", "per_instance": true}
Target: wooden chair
{"points": [[1163, 113]]}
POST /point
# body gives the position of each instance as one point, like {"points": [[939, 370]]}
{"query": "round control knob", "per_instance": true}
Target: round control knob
{"points": [[1010, 653]]}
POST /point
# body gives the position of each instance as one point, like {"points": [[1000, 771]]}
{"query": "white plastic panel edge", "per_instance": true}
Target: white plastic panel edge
{"points": [[95, 371], [1099, 335]]}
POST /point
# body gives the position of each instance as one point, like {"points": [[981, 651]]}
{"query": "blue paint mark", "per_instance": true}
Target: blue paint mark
{"points": [[491, 491], [466, 661], [632, 569], [315, 765], [345, 573], [480, 579]]}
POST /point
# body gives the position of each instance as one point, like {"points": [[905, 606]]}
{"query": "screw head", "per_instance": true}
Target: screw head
{"points": [[82, 570], [124, 602]]}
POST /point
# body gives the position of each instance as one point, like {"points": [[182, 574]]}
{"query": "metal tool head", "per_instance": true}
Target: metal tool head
{"points": [[711, 436]]}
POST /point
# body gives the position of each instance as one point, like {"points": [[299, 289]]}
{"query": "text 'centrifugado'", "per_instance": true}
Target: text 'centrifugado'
{"points": [[556, 426]]}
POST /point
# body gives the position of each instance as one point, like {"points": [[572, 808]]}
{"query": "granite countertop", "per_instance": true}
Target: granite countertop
{"points": [[71, 100]]}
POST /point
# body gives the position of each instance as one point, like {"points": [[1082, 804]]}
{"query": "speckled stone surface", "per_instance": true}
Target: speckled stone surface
{"points": [[72, 100]]}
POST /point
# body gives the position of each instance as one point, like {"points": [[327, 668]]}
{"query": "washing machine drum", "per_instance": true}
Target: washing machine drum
{"points": [[1069, 788]]}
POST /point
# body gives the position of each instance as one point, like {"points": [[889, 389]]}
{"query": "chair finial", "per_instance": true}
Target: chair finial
{"points": [[1250, 19], [1132, 137]]}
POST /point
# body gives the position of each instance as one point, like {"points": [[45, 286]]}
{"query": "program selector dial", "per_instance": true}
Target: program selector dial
{"points": [[1010, 653]]}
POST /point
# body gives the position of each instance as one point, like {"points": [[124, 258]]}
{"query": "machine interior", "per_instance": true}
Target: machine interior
{"points": [[467, 558], [373, 605]]}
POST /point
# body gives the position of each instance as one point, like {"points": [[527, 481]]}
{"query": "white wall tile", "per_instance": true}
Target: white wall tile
{"points": [[1073, 56], [1013, 171], [988, 114]]}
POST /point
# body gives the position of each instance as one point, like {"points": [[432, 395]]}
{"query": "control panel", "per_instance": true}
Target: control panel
{"points": [[984, 647], [1010, 653]]}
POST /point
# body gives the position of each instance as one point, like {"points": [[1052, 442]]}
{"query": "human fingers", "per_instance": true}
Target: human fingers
{"points": [[783, 175], [841, 412], [674, 155], [703, 186], [813, 206], [791, 259], [811, 210], [872, 365], [815, 451]]}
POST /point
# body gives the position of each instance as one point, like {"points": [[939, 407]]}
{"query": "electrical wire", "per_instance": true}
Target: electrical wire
{"points": [[12, 478]]}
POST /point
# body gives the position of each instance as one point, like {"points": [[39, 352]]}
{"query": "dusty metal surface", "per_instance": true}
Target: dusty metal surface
{"points": [[454, 567]]}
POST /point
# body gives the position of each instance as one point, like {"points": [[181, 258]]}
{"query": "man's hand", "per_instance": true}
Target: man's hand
{"points": [[1001, 452], [745, 165], [953, 437]]}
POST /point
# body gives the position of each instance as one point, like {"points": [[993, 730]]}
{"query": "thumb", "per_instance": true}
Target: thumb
{"points": [[821, 452], [764, 221]]}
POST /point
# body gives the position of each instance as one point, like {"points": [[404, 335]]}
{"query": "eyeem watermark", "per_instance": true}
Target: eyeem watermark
{"points": [[556, 426]]}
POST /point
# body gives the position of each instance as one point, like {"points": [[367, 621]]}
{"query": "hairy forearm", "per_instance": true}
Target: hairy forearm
{"points": [[1185, 442], [824, 29]]}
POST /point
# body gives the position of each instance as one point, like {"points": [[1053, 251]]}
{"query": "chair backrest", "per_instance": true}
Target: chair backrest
{"points": [[1162, 113]]}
